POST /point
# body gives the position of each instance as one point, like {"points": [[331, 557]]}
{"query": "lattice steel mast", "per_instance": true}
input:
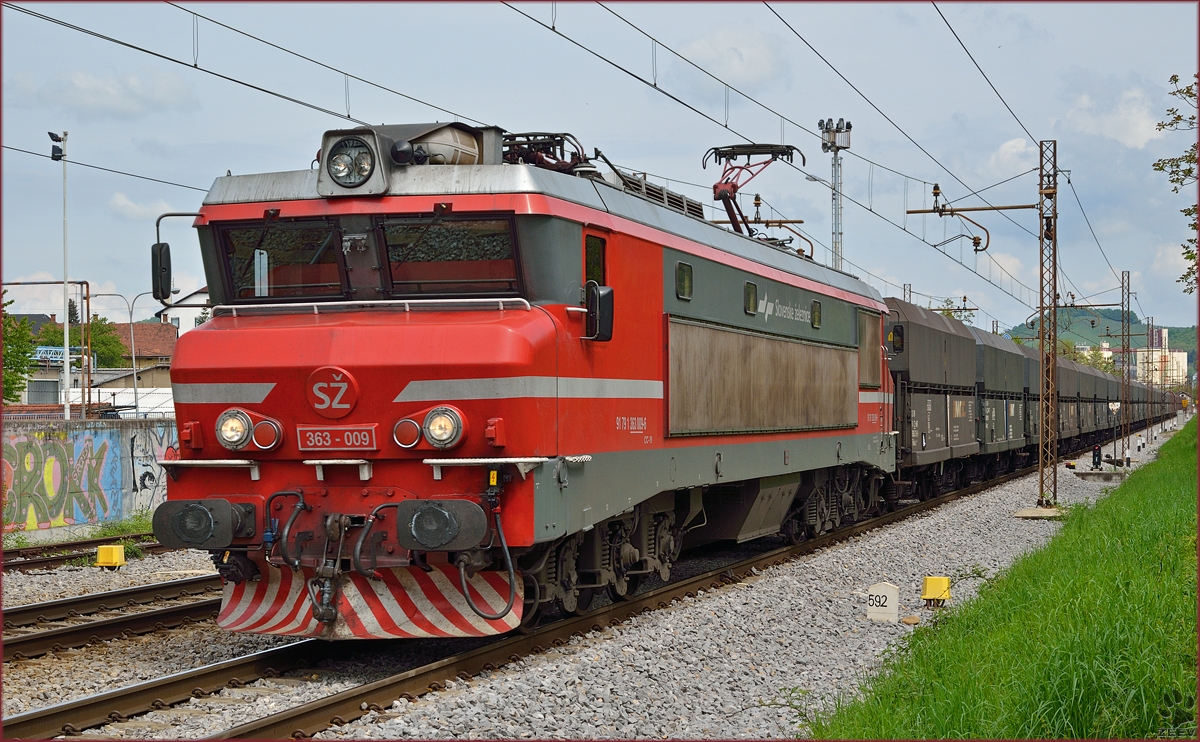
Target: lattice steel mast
{"points": [[1048, 324]]}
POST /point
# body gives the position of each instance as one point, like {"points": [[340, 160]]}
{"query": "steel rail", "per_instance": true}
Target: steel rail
{"points": [[81, 605], [25, 646], [316, 716], [71, 717], [21, 552], [31, 557]]}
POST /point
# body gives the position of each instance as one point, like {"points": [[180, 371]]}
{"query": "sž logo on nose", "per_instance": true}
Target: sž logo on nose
{"points": [[332, 391]]}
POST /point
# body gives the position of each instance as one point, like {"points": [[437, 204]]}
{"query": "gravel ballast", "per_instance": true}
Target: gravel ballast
{"points": [[22, 588], [716, 665]]}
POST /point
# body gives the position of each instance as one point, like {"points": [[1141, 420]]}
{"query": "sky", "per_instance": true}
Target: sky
{"points": [[183, 108]]}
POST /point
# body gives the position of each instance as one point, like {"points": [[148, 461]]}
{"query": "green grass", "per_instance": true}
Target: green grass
{"points": [[1092, 636], [139, 522]]}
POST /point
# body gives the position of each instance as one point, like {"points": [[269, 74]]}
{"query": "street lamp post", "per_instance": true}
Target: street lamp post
{"points": [[60, 153], [132, 344]]}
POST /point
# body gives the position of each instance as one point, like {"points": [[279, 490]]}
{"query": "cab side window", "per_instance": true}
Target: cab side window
{"points": [[593, 259]]}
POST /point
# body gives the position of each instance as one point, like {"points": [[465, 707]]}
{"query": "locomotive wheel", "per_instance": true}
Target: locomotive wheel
{"points": [[631, 584], [531, 614], [568, 555], [583, 602], [794, 528]]}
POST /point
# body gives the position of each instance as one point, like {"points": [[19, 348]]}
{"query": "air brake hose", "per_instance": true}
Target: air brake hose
{"points": [[356, 557], [512, 581], [287, 531]]}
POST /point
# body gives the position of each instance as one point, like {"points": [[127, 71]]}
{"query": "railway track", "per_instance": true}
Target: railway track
{"points": [[312, 717], [53, 555], [35, 629]]}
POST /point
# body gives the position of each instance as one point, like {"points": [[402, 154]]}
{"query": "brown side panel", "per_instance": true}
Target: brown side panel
{"points": [[725, 381]]}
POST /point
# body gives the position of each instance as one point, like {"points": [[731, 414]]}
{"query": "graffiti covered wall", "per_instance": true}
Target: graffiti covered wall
{"points": [[60, 473]]}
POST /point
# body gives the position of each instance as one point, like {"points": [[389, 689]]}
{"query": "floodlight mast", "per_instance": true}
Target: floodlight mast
{"points": [[834, 138]]}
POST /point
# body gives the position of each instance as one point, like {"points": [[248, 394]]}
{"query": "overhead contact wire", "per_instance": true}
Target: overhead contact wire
{"points": [[180, 62]]}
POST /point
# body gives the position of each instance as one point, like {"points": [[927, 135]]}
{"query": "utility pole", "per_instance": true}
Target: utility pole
{"points": [[1126, 366], [1048, 316], [1151, 369], [908, 293], [834, 138], [1125, 369], [1047, 307], [60, 153]]}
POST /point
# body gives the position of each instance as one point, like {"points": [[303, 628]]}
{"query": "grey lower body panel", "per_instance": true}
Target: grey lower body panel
{"points": [[570, 497]]}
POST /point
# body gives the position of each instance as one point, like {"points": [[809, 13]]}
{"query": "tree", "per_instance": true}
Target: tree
{"points": [[72, 312], [950, 309], [106, 344], [18, 352], [1181, 171]]}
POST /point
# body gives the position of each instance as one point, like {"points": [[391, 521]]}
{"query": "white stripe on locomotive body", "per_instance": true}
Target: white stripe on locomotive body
{"points": [[874, 398], [242, 393], [445, 390]]}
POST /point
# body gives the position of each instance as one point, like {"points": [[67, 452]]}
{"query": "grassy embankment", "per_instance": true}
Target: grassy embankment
{"points": [[1092, 636]]}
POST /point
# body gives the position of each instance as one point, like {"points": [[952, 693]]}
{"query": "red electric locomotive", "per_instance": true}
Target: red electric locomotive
{"points": [[455, 376]]}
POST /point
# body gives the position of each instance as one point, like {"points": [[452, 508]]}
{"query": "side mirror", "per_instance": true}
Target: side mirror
{"points": [[160, 271], [896, 338], [599, 312]]}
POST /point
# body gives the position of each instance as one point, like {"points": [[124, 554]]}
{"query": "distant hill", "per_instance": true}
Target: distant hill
{"points": [[1076, 325]]}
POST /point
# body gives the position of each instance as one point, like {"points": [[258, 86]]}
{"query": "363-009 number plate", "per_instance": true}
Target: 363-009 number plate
{"points": [[336, 437]]}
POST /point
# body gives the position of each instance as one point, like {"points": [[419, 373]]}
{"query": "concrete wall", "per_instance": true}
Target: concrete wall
{"points": [[62, 476]]}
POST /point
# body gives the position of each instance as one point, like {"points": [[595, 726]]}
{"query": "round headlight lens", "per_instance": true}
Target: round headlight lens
{"points": [[350, 162], [443, 427], [340, 166], [363, 164], [233, 429]]}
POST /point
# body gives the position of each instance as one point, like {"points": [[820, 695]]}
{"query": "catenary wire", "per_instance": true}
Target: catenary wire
{"points": [[107, 170], [319, 63], [753, 100], [887, 118], [1013, 281], [168, 58], [1032, 138], [985, 77]]}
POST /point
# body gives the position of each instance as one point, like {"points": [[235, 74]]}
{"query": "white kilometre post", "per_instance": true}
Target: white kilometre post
{"points": [[883, 602]]}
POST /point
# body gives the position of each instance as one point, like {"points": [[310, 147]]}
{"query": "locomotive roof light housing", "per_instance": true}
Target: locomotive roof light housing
{"points": [[350, 162], [443, 427], [234, 429], [361, 162]]}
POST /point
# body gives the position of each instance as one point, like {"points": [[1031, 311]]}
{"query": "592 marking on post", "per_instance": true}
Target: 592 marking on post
{"points": [[883, 602]]}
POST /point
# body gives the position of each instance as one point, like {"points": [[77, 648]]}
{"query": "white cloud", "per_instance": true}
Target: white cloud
{"points": [[1014, 156], [120, 205], [1010, 263], [102, 95], [48, 298], [1169, 261], [1128, 120], [743, 58]]}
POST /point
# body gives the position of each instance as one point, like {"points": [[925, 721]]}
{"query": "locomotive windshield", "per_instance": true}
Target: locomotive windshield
{"points": [[282, 260], [443, 256], [334, 258]]}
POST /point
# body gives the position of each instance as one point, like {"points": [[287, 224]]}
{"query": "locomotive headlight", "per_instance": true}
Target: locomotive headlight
{"points": [[351, 162], [234, 429], [363, 163], [443, 427]]}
